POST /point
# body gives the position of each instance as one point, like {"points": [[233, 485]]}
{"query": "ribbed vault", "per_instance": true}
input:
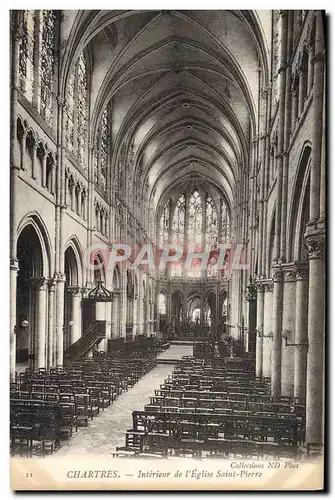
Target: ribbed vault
{"points": [[184, 93]]}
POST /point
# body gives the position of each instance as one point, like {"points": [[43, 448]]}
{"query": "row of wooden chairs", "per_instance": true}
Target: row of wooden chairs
{"points": [[48, 406], [190, 416]]}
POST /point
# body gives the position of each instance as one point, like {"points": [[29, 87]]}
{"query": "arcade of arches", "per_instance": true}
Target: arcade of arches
{"points": [[193, 128]]}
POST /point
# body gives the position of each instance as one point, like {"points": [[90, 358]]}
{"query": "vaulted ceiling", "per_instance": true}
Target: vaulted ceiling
{"points": [[184, 87]]}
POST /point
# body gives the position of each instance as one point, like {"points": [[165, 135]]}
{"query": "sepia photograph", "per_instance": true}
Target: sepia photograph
{"points": [[167, 249]]}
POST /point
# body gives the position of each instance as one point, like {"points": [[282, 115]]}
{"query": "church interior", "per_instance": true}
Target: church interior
{"points": [[183, 132]]}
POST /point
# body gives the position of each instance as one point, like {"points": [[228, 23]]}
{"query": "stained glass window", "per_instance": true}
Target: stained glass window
{"points": [[211, 235], [104, 142], [195, 219], [26, 54], [96, 159], [178, 228], [47, 60], [81, 108], [76, 110], [225, 222], [164, 225], [37, 51], [69, 111], [178, 221]]}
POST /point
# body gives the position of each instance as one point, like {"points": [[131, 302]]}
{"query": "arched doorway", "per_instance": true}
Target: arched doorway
{"points": [[130, 305], [145, 308], [193, 303], [71, 296], [195, 318], [29, 280], [162, 312], [115, 320], [211, 301]]}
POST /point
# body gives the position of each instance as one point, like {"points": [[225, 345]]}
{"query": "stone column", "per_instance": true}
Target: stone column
{"points": [[316, 326], [310, 68], [301, 93], [315, 237], [268, 328], [317, 118], [251, 297], [53, 179], [60, 283], [41, 303], [140, 314], [13, 277], [287, 358], [323, 180], [23, 139], [16, 162], [123, 308], [34, 161], [108, 321], [259, 330], [301, 329], [116, 316], [135, 319], [76, 313], [43, 160], [294, 109], [277, 331], [51, 324]]}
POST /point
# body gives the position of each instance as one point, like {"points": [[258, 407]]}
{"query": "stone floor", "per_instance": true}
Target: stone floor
{"points": [[175, 352], [107, 430]]}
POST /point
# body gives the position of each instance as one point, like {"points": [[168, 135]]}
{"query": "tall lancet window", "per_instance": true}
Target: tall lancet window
{"points": [[27, 54], [100, 157], [178, 229], [164, 225], [104, 143], [225, 222], [47, 62], [37, 59], [81, 109], [195, 220], [69, 112], [211, 236], [76, 111], [178, 221], [195, 231]]}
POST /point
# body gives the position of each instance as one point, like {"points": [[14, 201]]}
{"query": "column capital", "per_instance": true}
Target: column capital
{"points": [[251, 292], [301, 271], [60, 100], [14, 265], [59, 277], [277, 274], [315, 241], [52, 284], [315, 246], [268, 285], [309, 46], [75, 290], [289, 273], [39, 283], [85, 289], [320, 56]]}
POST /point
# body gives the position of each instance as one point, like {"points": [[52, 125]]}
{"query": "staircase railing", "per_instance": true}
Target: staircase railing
{"points": [[94, 335]]}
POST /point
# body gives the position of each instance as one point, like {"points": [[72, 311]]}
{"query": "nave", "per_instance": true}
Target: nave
{"points": [[194, 137]]}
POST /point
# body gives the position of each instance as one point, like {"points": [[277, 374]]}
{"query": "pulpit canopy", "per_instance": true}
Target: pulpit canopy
{"points": [[100, 293]]}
